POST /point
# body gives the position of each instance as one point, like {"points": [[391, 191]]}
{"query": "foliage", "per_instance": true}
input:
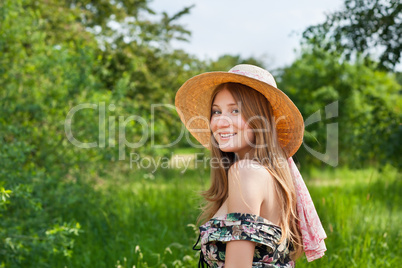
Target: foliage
{"points": [[52, 60], [362, 26], [368, 113], [225, 62]]}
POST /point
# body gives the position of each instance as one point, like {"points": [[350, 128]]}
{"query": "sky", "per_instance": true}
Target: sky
{"points": [[265, 29]]}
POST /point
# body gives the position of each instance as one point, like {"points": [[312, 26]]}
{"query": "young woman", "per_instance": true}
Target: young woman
{"points": [[258, 212]]}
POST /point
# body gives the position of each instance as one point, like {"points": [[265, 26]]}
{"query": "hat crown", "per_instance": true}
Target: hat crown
{"points": [[254, 72]]}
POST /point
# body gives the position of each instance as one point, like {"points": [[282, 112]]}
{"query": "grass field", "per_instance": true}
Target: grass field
{"points": [[139, 219]]}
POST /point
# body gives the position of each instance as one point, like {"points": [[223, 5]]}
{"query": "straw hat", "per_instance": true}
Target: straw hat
{"points": [[193, 101]]}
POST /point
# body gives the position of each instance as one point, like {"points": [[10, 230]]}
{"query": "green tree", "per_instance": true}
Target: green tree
{"points": [[225, 62], [369, 113], [55, 55], [362, 26]]}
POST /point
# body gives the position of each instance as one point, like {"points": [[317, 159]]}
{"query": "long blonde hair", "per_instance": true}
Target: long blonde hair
{"points": [[267, 152]]}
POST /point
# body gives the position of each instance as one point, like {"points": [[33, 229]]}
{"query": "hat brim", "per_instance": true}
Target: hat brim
{"points": [[193, 101]]}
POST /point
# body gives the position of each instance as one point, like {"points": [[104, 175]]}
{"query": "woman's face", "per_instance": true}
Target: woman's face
{"points": [[226, 119]]}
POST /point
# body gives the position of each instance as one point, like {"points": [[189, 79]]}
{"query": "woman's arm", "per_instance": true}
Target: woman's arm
{"points": [[248, 184]]}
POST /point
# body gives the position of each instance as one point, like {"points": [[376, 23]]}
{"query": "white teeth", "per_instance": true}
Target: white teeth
{"points": [[227, 135]]}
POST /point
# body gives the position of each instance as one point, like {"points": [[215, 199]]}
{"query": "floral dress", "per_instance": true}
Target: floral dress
{"points": [[242, 226]]}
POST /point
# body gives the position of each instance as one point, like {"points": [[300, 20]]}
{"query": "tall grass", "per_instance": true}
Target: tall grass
{"points": [[135, 218], [362, 215]]}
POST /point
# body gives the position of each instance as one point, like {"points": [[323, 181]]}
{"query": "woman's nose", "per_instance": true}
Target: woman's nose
{"points": [[223, 121]]}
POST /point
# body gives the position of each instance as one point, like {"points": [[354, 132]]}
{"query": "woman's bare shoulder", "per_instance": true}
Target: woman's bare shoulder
{"points": [[249, 167], [250, 174], [250, 180]]}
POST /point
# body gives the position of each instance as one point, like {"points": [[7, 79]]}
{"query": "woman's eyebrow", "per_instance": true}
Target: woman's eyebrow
{"points": [[230, 104]]}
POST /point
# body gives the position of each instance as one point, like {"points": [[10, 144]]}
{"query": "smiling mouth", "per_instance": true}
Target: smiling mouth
{"points": [[227, 136]]}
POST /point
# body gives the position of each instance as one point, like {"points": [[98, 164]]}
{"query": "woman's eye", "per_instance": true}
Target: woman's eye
{"points": [[234, 110]]}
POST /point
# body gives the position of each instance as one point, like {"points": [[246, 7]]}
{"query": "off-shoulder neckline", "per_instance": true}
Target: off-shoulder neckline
{"points": [[242, 213]]}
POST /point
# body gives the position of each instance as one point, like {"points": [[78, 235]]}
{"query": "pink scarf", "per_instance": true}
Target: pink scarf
{"points": [[312, 231]]}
